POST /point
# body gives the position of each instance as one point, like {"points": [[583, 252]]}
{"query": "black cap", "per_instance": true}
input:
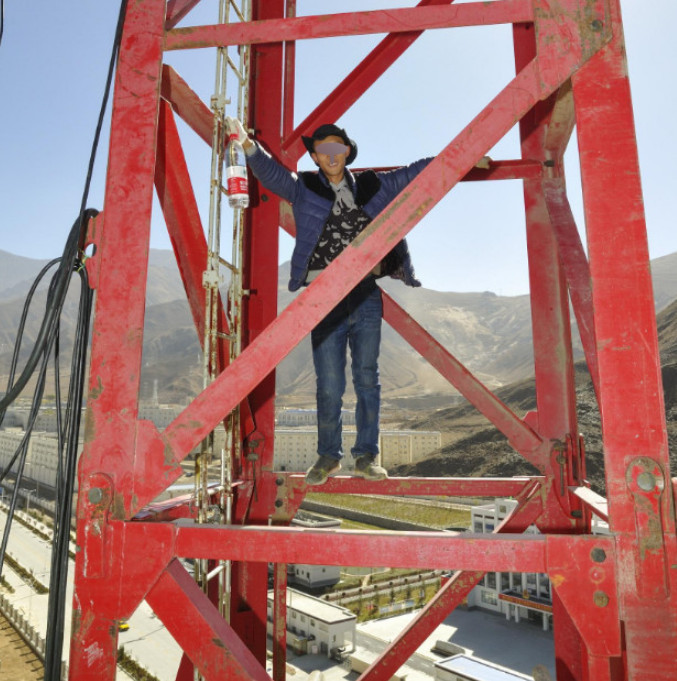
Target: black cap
{"points": [[325, 131]]}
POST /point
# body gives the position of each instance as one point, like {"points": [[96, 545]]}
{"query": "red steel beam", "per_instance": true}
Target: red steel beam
{"points": [[521, 436], [117, 336], [560, 126], [351, 23], [289, 79], [553, 353], [435, 550], [177, 10], [637, 467], [179, 207], [198, 627], [583, 573], [453, 487], [191, 109], [576, 268], [291, 487], [521, 169]]}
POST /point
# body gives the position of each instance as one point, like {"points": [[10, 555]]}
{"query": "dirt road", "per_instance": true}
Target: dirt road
{"points": [[17, 660]]}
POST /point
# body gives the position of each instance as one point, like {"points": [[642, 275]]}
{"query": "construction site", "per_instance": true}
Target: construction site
{"points": [[614, 595]]}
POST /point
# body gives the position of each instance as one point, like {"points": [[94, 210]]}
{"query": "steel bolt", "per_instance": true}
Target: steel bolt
{"points": [[598, 555], [95, 495], [601, 599], [597, 25], [279, 503], [279, 482], [646, 481]]}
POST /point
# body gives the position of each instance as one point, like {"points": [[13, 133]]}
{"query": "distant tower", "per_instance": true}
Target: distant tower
{"points": [[156, 402]]}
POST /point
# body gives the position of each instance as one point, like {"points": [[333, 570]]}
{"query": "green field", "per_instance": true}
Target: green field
{"points": [[428, 514]]}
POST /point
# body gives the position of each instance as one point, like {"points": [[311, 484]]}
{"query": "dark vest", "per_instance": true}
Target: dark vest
{"points": [[367, 184]]}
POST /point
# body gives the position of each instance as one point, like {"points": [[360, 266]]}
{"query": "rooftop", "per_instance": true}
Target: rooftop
{"points": [[315, 607], [478, 669]]}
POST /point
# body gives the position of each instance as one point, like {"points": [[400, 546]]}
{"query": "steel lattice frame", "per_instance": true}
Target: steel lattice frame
{"points": [[614, 598]]}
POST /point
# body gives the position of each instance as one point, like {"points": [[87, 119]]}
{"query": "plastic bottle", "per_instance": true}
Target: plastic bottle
{"points": [[237, 184]]}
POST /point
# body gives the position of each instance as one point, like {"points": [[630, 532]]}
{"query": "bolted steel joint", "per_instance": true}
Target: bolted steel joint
{"points": [[95, 495], [598, 555], [646, 481]]}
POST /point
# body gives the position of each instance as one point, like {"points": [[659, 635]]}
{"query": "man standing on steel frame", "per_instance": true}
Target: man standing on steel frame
{"points": [[331, 207]]}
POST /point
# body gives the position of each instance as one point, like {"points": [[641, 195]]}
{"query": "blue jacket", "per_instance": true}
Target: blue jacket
{"points": [[311, 199]]}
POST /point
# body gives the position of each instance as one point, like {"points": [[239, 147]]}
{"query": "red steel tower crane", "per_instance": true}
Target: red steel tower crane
{"points": [[614, 597]]}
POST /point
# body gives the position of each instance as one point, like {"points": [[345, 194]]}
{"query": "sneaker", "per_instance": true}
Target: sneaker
{"points": [[367, 469], [323, 468]]}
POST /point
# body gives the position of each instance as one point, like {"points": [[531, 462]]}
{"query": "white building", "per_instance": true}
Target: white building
{"points": [[408, 446], [41, 456], [466, 668], [296, 448], [160, 414], [308, 417], [517, 595], [44, 422], [315, 626], [313, 576]]}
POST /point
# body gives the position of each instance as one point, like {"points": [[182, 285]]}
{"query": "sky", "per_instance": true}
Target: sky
{"points": [[53, 64]]}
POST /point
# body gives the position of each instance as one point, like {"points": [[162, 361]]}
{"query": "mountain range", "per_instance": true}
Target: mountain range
{"points": [[489, 334], [473, 447]]}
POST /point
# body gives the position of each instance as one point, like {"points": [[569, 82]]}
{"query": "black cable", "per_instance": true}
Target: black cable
{"points": [[44, 345], [2, 19], [65, 487], [19, 340], [58, 290], [66, 482]]}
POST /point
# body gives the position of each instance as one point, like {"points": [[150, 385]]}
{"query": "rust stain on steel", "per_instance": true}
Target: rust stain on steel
{"points": [[95, 392], [170, 460], [90, 427], [557, 580], [118, 507], [651, 540], [77, 619]]}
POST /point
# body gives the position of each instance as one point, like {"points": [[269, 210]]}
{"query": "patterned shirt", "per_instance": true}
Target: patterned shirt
{"points": [[344, 223]]}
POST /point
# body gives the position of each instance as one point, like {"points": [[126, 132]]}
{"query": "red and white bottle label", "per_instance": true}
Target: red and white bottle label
{"points": [[236, 180]]}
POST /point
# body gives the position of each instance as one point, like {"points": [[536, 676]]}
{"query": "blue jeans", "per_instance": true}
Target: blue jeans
{"points": [[354, 322]]}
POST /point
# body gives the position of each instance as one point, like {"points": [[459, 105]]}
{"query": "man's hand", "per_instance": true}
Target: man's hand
{"points": [[234, 127]]}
